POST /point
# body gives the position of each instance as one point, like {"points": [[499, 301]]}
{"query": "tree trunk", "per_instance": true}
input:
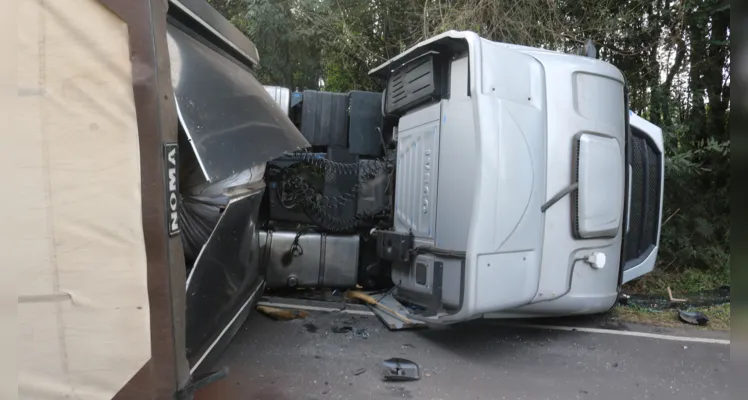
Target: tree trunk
{"points": [[714, 75], [697, 25]]}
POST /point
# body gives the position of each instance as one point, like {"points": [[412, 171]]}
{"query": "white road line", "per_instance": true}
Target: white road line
{"points": [[313, 308], [529, 326], [620, 333]]}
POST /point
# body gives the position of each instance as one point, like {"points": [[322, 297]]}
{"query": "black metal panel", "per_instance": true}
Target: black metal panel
{"points": [[644, 208], [364, 128], [202, 17], [413, 84], [421, 273], [431, 304], [436, 290], [653, 187], [230, 119], [394, 246], [224, 275], [324, 119]]}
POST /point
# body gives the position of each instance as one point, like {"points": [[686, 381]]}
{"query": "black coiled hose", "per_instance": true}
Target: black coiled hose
{"points": [[332, 223], [318, 207], [300, 190], [368, 168]]}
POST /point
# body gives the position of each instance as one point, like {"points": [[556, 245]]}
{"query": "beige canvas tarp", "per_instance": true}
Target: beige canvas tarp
{"points": [[78, 241]]}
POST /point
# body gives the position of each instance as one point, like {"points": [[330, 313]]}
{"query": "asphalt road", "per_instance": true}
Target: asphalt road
{"points": [[305, 360]]}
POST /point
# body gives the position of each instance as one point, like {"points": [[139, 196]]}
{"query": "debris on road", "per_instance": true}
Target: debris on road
{"points": [[361, 332], [401, 370], [353, 294], [388, 309], [280, 314], [359, 371], [693, 317], [341, 329]]}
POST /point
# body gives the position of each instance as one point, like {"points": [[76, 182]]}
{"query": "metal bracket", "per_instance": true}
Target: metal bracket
{"points": [[394, 246], [435, 304]]}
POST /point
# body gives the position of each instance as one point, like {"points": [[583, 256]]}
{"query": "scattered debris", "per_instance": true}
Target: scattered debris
{"points": [[280, 314], [693, 317], [401, 370], [352, 294], [362, 332], [310, 327], [672, 299], [388, 309], [359, 371], [341, 329], [408, 346]]}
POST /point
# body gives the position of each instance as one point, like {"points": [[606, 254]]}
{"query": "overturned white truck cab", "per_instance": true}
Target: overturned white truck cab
{"points": [[523, 186]]}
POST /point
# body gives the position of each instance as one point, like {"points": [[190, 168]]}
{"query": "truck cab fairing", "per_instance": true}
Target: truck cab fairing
{"points": [[482, 161]]}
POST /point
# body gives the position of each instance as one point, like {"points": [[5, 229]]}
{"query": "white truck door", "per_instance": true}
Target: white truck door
{"points": [[646, 181]]}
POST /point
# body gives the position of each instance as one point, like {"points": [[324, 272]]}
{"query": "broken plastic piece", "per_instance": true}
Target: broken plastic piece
{"points": [[280, 314], [401, 370], [672, 299], [693, 317], [352, 294], [390, 311], [359, 371]]}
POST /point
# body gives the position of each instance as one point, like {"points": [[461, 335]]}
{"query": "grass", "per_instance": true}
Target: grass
{"points": [[719, 316], [689, 280], [686, 281]]}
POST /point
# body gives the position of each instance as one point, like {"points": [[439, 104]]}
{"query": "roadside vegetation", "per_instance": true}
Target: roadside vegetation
{"points": [[719, 316], [690, 280]]}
